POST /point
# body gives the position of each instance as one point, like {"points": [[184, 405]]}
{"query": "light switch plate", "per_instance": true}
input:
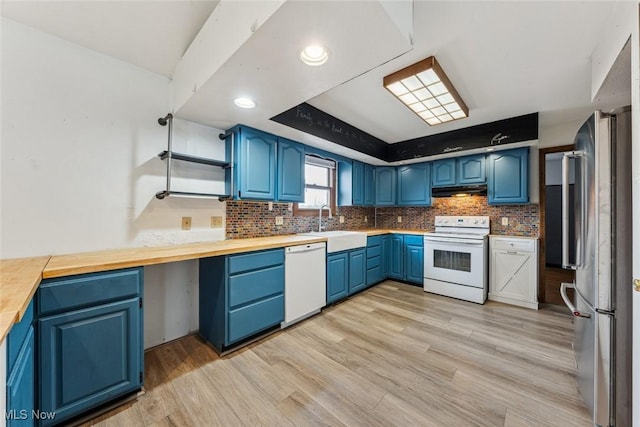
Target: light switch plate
{"points": [[216, 222], [290, 207], [341, 219], [270, 206], [186, 223], [279, 220], [505, 220], [399, 218], [366, 219]]}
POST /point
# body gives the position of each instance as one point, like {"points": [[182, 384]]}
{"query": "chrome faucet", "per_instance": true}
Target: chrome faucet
{"points": [[320, 227]]}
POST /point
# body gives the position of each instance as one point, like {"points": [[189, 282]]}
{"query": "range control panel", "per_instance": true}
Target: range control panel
{"points": [[462, 221]]}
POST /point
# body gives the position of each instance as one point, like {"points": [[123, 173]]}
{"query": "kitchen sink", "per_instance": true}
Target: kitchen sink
{"points": [[341, 240]]}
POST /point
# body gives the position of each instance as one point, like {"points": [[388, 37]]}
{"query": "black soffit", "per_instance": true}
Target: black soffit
{"points": [[311, 120]]}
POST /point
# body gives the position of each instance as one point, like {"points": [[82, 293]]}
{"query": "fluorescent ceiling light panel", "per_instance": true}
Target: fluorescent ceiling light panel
{"points": [[426, 81]]}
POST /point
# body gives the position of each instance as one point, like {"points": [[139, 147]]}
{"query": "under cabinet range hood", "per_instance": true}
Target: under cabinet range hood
{"points": [[459, 191]]}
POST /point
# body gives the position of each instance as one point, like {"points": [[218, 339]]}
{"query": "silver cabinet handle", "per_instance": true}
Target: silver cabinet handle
{"points": [[563, 293]]}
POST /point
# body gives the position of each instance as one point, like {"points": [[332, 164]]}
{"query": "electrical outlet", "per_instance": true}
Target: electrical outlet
{"points": [[279, 220], [399, 218], [216, 222], [270, 206], [186, 223], [505, 220], [290, 207], [341, 219], [366, 219]]}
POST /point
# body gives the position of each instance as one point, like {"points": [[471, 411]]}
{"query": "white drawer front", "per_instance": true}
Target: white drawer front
{"points": [[525, 245]]}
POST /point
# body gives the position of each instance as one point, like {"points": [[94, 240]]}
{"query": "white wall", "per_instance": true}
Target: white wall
{"points": [[79, 171]]}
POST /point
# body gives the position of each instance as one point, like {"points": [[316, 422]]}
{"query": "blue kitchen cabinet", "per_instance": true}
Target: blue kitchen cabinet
{"points": [[357, 270], [369, 185], [386, 255], [290, 164], [20, 398], [414, 258], [385, 183], [396, 257], [443, 173], [508, 177], [254, 164], [355, 184], [90, 346], [374, 260], [337, 276], [471, 170], [240, 296], [414, 185]]}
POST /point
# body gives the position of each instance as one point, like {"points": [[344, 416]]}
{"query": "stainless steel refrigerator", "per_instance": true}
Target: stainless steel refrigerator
{"points": [[602, 303]]}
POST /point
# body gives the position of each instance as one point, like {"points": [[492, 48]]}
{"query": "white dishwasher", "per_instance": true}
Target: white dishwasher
{"points": [[305, 283]]}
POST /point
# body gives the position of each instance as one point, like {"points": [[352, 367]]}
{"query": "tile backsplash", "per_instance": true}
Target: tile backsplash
{"points": [[524, 220], [254, 219]]}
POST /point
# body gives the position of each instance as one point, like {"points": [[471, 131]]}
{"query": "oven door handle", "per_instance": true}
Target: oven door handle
{"points": [[457, 242]]}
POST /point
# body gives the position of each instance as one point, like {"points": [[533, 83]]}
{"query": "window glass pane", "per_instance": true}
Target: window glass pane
{"points": [[316, 175], [314, 198]]}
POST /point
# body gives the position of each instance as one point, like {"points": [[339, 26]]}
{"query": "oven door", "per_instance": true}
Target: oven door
{"points": [[454, 260]]}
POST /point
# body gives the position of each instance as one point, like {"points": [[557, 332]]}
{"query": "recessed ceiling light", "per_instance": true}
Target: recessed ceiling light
{"points": [[314, 55], [244, 102]]}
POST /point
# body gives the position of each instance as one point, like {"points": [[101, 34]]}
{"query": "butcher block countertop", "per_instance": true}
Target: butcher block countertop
{"points": [[19, 278]]}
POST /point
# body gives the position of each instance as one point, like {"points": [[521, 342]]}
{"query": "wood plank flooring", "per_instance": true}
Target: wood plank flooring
{"points": [[392, 355]]}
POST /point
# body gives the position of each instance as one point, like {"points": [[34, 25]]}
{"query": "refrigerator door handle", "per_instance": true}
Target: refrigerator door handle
{"points": [[563, 293], [565, 212]]}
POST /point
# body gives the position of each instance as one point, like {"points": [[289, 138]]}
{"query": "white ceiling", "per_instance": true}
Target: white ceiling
{"points": [[504, 58]]}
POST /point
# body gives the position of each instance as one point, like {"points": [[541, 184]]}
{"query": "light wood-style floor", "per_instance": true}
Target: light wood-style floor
{"points": [[392, 355]]}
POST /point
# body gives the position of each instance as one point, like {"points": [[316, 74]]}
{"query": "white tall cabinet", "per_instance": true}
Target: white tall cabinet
{"points": [[513, 270]]}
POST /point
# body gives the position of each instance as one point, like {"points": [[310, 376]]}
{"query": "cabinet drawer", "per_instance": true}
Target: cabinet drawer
{"points": [[253, 285], [374, 241], [255, 260], [526, 245], [413, 240], [374, 251], [374, 262], [17, 335], [255, 317], [88, 289]]}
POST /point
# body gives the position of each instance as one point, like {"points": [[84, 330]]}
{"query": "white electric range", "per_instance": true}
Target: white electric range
{"points": [[456, 258]]}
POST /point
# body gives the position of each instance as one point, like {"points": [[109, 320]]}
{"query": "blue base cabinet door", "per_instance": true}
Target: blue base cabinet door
{"points": [[88, 357], [21, 385], [357, 270], [508, 181], [386, 255], [414, 259], [337, 276], [396, 257]]}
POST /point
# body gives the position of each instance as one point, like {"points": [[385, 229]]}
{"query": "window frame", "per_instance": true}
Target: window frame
{"points": [[333, 191]]}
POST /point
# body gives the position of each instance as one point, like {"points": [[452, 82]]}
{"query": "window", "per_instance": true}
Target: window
{"points": [[320, 187]]}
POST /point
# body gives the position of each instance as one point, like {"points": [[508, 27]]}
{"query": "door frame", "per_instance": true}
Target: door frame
{"points": [[542, 165]]}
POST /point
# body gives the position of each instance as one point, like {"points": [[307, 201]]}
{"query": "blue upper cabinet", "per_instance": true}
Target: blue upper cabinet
{"points": [[471, 169], [355, 184], [414, 185], [459, 171], [369, 185], [508, 180], [385, 182], [444, 173], [254, 166], [290, 171]]}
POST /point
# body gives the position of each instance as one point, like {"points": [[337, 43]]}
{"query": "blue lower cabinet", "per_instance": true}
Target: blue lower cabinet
{"points": [[357, 271], [414, 259], [21, 384], [386, 255], [89, 341], [241, 296], [396, 257], [374, 260], [89, 357], [337, 276]]}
